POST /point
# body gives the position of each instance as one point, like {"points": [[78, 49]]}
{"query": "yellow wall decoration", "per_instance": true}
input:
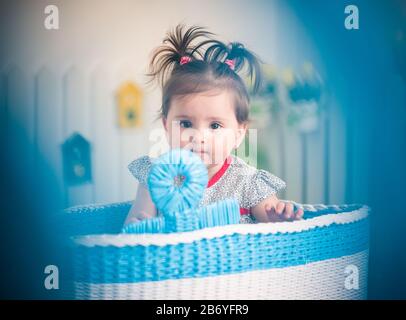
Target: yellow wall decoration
{"points": [[129, 99]]}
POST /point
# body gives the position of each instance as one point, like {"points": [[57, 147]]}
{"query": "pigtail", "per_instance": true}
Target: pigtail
{"points": [[177, 44], [235, 57], [217, 52]]}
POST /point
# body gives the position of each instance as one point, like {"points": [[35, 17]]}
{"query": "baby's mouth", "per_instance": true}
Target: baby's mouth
{"points": [[200, 152]]}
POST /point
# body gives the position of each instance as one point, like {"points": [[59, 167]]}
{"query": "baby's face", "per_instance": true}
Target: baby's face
{"points": [[204, 123]]}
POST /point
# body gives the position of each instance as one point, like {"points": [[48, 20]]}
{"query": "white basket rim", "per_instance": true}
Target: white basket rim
{"points": [[163, 239]]}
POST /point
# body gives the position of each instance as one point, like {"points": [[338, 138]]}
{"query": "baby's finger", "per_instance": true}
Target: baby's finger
{"points": [[280, 207], [272, 216], [289, 211], [268, 208], [143, 215], [299, 214]]}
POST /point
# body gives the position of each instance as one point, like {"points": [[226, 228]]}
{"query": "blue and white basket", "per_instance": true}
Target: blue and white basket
{"points": [[323, 256], [193, 252]]}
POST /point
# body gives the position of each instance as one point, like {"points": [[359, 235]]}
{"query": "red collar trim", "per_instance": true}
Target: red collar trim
{"points": [[221, 171]]}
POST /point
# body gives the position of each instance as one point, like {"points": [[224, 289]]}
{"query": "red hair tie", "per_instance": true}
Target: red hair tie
{"points": [[230, 63], [184, 60]]}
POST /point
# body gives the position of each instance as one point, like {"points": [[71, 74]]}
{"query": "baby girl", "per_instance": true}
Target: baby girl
{"points": [[205, 109]]}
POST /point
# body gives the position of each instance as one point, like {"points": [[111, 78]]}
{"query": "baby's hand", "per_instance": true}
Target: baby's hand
{"points": [[283, 211]]}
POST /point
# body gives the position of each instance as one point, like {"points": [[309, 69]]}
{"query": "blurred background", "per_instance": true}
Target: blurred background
{"points": [[75, 110]]}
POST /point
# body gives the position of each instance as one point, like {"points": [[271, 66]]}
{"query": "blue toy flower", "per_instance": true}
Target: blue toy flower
{"points": [[177, 180]]}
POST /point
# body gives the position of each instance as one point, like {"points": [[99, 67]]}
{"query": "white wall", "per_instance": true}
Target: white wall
{"points": [[60, 81]]}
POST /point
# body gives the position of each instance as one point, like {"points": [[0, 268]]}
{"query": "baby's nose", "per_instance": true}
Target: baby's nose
{"points": [[200, 136], [197, 136]]}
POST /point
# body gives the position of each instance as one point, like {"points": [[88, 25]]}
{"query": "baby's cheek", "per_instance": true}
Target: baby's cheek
{"points": [[228, 141], [222, 147], [182, 138]]}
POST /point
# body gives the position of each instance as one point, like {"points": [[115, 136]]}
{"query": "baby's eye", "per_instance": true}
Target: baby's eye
{"points": [[215, 126], [185, 124]]}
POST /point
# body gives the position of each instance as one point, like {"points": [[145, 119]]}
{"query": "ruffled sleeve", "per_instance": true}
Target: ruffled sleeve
{"points": [[260, 186], [140, 168]]}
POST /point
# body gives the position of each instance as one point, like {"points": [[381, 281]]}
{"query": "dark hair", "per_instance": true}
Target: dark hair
{"points": [[205, 71]]}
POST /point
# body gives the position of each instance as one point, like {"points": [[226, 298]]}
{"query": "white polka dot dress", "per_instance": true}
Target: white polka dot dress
{"points": [[235, 179]]}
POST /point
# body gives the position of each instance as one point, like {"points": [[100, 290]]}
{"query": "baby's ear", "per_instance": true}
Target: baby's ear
{"points": [[242, 130], [164, 123]]}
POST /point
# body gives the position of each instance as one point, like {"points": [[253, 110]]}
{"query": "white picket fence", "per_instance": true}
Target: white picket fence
{"points": [[323, 167]]}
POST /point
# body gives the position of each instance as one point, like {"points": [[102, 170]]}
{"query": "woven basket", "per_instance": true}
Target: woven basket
{"points": [[323, 256]]}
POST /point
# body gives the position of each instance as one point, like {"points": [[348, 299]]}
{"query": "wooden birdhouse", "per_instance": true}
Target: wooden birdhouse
{"points": [[129, 100], [76, 160]]}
